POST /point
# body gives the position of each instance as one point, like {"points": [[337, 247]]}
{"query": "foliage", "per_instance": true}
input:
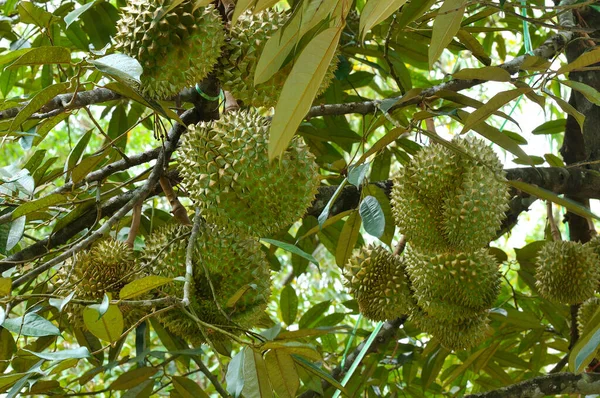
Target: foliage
{"points": [[87, 152]]}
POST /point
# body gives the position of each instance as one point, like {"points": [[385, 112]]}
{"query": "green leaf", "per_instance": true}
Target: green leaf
{"points": [[310, 317], [492, 106], [311, 368], [60, 303], [293, 347], [585, 59], [43, 56], [348, 239], [8, 347], [17, 228], [541, 193], [187, 388], [76, 353], [143, 285], [487, 73], [590, 93], [120, 66], [551, 127], [357, 174], [445, 27], [282, 373], [325, 213], [39, 204], [133, 378], [256, 377], [5, 286], [38, 101], [554, 160], [109, 327], [32, 14], [87, 165], [12, 55], [235, 374], [74, 15], [386, 207], [372, 216], [383, 142], [460, 370], [568, 108], [291, 248], [375, 11], [288, 304], [433, 366], [300, 89], [31, 325]]}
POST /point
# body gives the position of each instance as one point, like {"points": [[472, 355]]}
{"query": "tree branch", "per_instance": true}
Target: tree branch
{"points": [[553, 384]]}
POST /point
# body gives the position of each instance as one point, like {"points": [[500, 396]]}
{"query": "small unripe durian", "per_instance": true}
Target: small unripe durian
{"points": [[453, 286], [586, 312], [378, 281], [226, 169], [445, 200], [567, 272], [176, 49], [238, 271]]}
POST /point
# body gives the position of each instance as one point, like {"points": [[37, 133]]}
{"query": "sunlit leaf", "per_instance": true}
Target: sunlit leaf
{"points": [[585, 59], [133, 378], [256, 377], [488, 73], [39, 100], [445, 27], [288, 304], [372, 216], [43, 56], [108, 327], [497, 101], [375, 11], [291, 248], [282, 373], [31, 325], [143, 285], [348, 239], [187, 388]]}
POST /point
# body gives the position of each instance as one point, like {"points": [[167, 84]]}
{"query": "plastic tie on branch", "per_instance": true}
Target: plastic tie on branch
{"points": [[206, 96]]}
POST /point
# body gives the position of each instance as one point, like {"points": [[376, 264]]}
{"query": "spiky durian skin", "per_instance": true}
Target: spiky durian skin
{"points": [[453, 286], [225, 166], [235, 264], [105, 268], [176, 51], [461, 335], [242, 52], [586, 312], [378, 281], [445, 201], [567, 272]]}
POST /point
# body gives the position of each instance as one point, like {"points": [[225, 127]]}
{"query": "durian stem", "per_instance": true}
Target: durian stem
{"points": [[189, 258], [592, 227], [400, 246], [231, 103], [553, 227], [215, 328], [136, 219], [177, 208]]}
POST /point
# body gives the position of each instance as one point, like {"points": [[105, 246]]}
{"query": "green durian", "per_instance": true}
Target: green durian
{"points": [[446, 201], [586, 312], [242, 52], [460, 335], [453, 286], [378, 282], [177, 48], [224, 165], [103, 269], [567, 272], [238, 271]]}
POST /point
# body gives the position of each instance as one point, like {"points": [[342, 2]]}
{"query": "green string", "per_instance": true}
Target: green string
{"points": [[528, 50], [350, 340], [206, 96]]}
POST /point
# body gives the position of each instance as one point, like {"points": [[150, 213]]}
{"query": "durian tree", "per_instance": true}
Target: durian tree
{"points": [[266, 198]]}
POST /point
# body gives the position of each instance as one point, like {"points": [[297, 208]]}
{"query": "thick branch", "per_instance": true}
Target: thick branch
{"points": [[553, 384]]}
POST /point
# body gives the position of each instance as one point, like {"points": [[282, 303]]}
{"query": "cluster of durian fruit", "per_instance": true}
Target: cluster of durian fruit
{"points": [[569, 273], [224, 167], [180, 46], [448, 203]]}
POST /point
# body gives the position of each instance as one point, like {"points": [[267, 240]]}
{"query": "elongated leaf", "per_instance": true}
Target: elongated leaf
{"points": [[78, 150], [412, 11], [473, 45], [492, 106], [120, 66], [288, 304], [143, 285], [348, 239], [541, 193], [357, 174], [10, 56], [256, 377], [17, 228], [372, 216], [433, 366], [240, 7], [109, 327], [31, 325], [586, 347], [311, 368], [187, 388], [74, 15], [375, 11], [300, 88], [445, 27], [325, 213], [293, 347], [464, 366], [87, 165], [589, 92], [43, 56], [551, 127], [235, 374], [291, 248], [568, 108], [75, 353], [282, 373], [585, 59], [384, 141], [133, 378], [39, 100], [310, 317], [38, 204], [488, 73]]}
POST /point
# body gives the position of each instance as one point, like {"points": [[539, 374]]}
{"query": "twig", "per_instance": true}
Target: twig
{"points": [[189, 258], [136, 219], [178, 210], [553, 227]]}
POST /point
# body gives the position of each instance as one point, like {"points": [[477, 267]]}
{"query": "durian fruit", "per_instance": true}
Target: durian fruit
{"points": [[177, 48], [225, 167], [460, 335], [586, 312], [242, 52], [105, 268], [453, 286], [378, 281], [446, 201], [238, 271], [567, 272]]}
